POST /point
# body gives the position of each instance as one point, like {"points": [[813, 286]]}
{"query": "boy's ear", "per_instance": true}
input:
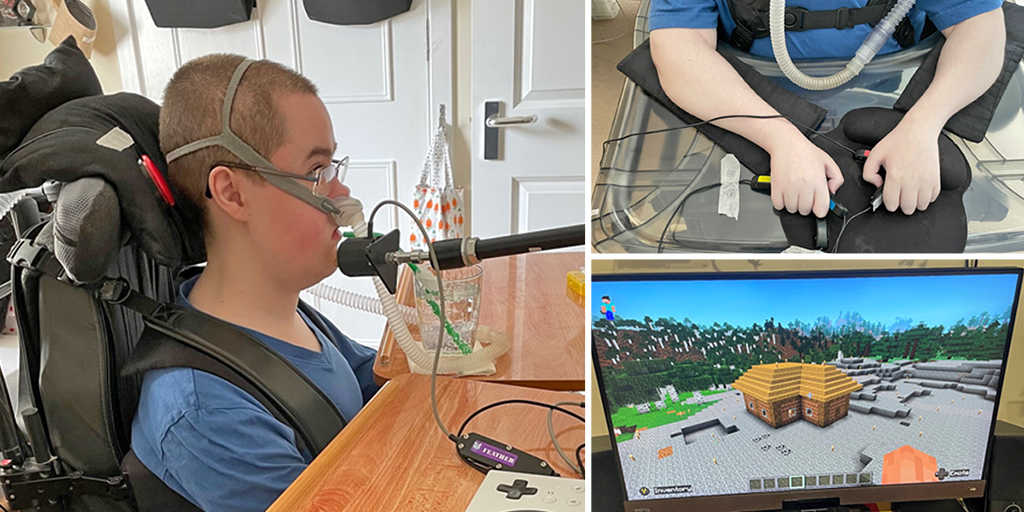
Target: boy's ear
{"points": [[223, 184]]}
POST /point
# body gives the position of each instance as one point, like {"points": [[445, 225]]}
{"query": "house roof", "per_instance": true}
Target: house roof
{"points": [[771, 382]]}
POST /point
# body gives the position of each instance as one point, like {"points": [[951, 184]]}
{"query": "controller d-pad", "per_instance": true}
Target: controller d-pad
{"points": [[517, 490]]}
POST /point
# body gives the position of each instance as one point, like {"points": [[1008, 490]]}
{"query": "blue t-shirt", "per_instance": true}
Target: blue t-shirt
{"points": [[218, 446], [819, 43]]}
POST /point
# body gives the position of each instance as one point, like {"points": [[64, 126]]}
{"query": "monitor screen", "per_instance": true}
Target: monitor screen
{"points": [[722, 385]]}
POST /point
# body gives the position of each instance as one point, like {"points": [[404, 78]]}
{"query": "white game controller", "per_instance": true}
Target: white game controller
{"points": [[505, 491]]}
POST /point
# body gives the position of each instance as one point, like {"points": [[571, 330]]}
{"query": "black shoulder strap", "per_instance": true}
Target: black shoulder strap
{"points": [[182, 337], [176, 336], [751, 17]]}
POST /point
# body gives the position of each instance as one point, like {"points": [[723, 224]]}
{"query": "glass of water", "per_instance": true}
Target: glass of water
{"points": [[462, 307]]}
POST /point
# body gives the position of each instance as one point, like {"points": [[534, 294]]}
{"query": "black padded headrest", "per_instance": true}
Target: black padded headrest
{"points": [[86, 225], [29, 94], [104, 137]]}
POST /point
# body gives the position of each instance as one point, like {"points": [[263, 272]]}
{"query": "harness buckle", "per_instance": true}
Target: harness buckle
{"points": [[795, 18], [26, 254], [843, 18]]}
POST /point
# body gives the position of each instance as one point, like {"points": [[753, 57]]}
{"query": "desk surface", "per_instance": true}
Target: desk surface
{"points": [[392, 456], [526, 297]]}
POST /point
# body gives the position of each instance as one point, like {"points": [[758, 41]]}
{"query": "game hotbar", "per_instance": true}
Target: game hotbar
{"points": [[799, 381]]}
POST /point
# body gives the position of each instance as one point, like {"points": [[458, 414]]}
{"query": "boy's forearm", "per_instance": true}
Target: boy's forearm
{"points": [[699, 80], [968, 65]]}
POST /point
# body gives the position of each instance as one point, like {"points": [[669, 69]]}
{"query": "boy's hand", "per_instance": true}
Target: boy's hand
{"points": [[910, 156], [802, 177]]}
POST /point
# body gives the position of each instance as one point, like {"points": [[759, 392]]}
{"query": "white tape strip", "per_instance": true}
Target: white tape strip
{"points": [[116, 139], [729, 192]]}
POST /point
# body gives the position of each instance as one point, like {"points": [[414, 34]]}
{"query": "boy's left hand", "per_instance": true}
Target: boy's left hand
{"points": [[910, 156]]}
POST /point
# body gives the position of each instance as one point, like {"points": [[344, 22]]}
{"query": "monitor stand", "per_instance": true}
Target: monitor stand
{"points": [[816, 505]]}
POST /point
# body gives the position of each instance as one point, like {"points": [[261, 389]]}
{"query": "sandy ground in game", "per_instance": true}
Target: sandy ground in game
{"points": [[946, 425]]}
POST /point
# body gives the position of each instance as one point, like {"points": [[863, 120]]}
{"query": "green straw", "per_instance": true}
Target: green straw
{"points": [[463, 347]]}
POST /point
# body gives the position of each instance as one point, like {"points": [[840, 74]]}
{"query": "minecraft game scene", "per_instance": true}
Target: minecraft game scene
{"points": [[719, 387]]}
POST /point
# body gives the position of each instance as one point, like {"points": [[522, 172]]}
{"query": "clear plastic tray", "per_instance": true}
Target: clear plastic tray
{"points": [[643, 179]]}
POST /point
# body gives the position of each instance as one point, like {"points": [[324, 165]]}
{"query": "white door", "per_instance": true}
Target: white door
{"points": [[529, 55], [376, 80]]}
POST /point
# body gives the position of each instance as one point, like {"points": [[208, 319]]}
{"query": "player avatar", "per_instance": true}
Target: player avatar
{"points": [[608, 308]]}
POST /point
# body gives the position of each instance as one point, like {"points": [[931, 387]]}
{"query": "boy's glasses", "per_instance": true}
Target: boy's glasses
{"points": [[321, 177]]}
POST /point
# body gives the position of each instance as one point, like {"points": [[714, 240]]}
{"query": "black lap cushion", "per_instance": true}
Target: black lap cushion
{"points": [[29, 94], [639, 67], [941, 228], [972, 121], [63, 146]]}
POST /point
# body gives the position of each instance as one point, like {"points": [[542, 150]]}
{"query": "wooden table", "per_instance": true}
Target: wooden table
{"points": [[526, 297], [392, 456]]}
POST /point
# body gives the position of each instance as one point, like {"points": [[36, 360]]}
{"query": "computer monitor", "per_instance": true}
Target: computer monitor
{"points": [[761, 391]]}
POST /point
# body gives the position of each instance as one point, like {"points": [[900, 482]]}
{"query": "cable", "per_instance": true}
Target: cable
{"points": [[440, 339], [846, 222], [731, 116], [483, 469], [962, 504], [554, 439], [518, 401], [624, 32], [441, 300], [679, 209], [578, 459]]}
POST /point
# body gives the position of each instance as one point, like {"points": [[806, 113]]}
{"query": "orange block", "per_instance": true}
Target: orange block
{"points": [[908, 465], [664, 452]]}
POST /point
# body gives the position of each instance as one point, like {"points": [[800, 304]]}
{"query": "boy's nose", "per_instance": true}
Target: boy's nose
{"points": [[339, 189]]}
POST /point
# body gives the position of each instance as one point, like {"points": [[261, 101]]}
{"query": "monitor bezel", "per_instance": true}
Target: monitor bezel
{"points": [[849, 496]]}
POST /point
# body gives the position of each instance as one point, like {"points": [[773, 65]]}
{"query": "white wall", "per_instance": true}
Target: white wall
{"points": [[19, 49]]}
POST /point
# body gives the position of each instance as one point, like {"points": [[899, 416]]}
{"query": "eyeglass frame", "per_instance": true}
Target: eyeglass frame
{"points": [[233, 143], [340, 165]]}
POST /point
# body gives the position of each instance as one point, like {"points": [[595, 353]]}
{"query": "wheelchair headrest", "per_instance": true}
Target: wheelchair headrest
{"points": [[86, 225], [104, 138]]}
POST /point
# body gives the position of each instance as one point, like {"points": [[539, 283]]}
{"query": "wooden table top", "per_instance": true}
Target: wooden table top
{"points": [[392, 456], [526, 297]]}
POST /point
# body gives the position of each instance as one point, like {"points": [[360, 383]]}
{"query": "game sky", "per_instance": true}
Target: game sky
{"points": [[914, 366]]}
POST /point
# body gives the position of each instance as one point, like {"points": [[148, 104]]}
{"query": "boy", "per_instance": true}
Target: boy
{"points": [[265, 242]]}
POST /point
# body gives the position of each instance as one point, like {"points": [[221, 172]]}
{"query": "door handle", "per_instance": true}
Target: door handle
{"points": [[500, 122], [494, 122]]}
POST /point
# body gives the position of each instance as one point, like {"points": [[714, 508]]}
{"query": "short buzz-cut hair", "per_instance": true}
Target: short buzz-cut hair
{"points": [[193, 110]]}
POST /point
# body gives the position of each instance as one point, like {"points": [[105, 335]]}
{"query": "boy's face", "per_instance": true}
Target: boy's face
{"points": [[606, 300], [298, 239]]}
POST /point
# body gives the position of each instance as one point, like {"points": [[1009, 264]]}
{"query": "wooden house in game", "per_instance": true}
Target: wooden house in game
{"points": [[782, 393]]}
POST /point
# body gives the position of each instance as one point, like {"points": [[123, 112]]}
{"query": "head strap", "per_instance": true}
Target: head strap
{"points": [[228, 140]]}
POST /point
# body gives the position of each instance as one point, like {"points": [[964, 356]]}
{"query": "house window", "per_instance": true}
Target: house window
{"points": [[792, 412], [764, 413], [751, 406], [810, 412]]}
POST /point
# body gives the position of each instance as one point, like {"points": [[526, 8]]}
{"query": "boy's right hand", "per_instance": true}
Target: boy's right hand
{"points": [[802, 177]]}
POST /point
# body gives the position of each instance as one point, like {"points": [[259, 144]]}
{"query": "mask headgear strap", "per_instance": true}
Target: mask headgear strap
{"points": [[228, 140]]}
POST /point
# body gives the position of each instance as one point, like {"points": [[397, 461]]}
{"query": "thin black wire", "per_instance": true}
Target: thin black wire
{"points": [[846, 222], [482, 468], [517, 401], [608, 142], [579, 461], [679, 209]]}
